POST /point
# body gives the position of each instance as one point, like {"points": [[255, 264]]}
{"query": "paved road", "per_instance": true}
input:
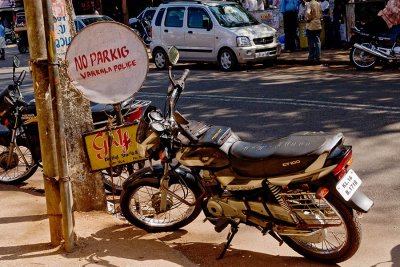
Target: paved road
{"points": [[262, 103]]}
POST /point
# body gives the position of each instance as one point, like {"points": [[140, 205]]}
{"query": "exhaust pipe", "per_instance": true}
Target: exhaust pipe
{"points": [[369, 50]]}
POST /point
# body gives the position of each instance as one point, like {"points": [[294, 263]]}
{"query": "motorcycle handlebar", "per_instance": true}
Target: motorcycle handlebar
{"points": [[21, 77], [184, 75]]}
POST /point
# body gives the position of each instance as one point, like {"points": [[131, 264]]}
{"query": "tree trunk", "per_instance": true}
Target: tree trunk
{"points": [[87, 187]]}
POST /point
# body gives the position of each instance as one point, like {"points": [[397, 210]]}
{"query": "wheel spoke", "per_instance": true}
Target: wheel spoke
{"points": [[149, 200]]}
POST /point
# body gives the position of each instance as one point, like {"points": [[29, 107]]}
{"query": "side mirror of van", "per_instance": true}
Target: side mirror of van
{"points": [[207, 24]]}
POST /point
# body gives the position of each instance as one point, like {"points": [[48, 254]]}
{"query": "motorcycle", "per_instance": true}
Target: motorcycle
{"points": [[22, 42], [142, 27], [20, 154], [299, 189], [368, 50]]}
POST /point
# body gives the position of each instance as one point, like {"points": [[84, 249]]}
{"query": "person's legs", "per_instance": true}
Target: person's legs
{"points": [[317, 45], [310, 40], [2, 53], [286, 29], [292, 27]]}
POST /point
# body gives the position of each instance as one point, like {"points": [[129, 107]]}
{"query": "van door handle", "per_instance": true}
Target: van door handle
{"points": [[165, 30], [190, 32]]}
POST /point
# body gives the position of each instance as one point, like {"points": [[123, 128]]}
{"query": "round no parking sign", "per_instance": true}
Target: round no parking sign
{"points": [[108, 62]]}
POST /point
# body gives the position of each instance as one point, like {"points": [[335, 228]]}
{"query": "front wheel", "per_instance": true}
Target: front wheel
{"points": [[335, 243], [120, 174], [361, 59], [16, 166], [140, 204], [160, 59], [22, 48], [227, 60]]}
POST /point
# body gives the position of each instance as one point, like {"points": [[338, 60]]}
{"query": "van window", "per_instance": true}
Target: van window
{"points": [[159, 16], [232, 15], [174, 17], [196, 18]]}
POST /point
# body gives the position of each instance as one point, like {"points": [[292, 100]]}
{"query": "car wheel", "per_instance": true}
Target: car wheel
{"points": [[160, 59], [227, 60]]}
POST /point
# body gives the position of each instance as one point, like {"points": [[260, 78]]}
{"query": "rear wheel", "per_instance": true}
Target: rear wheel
{"points": [[361, 59], [332, 244], [140, 204], [17, 168]]}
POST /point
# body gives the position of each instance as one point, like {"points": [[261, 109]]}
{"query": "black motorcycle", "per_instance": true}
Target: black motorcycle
{"points": [[20, 154], [142, 28], [299, 188], [368, 50], [22, 42]]}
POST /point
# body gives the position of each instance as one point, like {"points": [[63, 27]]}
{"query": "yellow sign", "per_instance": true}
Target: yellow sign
{"points": [[123, 148]]}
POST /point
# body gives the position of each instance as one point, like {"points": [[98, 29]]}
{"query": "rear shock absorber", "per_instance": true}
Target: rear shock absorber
{"points": [[276, 190]]}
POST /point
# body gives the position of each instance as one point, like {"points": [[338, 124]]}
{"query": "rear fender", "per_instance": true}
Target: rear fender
{"points": [[358, 202]]}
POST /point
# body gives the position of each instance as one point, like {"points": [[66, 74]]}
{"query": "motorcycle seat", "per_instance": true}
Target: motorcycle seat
{"points": [[290, 154]]}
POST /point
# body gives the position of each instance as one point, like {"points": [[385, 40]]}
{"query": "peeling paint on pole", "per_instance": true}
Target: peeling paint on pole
{"points": [[61, 27]]}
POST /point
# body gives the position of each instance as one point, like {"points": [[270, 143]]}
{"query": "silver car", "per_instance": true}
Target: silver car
{"points": [[211, 31]]}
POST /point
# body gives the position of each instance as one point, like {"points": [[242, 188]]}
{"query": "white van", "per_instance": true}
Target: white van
{"points": [[211, 31]]}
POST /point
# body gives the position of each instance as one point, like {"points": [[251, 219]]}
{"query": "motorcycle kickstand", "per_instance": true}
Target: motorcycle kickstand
{"points": [[231, 234]]}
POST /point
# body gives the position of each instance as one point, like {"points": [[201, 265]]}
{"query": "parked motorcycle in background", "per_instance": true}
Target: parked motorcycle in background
{"points": [[142, 28], [298, 188], [369, 50], [20, 154]]}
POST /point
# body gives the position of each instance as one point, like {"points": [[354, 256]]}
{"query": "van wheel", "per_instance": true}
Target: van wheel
{"points": [[160, 59], [227, 60]]}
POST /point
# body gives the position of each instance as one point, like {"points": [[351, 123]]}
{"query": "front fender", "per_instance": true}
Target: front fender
{"points": [[157, 171], [147, 172]]}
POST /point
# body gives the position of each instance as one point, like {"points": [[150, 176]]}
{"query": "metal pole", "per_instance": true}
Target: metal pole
{"points": [[64, 180], [38, 57], [124, 11]]}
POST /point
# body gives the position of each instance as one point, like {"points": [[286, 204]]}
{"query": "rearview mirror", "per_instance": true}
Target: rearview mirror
{"points": [[16, 62], [173, 55], [207, 24]]}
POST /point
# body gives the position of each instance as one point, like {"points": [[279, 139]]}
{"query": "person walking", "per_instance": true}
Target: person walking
{"points": [[290, 10], [3, 44], [313, 17]]}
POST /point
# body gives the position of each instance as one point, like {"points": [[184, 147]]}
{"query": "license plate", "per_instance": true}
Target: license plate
{"points": [[262, 54], [348, 185]]}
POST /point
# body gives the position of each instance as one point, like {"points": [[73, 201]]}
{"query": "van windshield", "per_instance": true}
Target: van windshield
{"points": [[232, 15]]}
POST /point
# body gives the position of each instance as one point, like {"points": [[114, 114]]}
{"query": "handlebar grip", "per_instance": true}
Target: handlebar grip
{"points": [[184, 75], [21, 77]]}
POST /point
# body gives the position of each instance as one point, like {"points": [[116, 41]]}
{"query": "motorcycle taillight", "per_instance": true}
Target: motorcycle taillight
{"points": [[340, 169], [135, 115]]}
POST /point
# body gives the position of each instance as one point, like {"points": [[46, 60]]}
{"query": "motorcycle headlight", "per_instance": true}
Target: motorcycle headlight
{"points": [[243, 41]]}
